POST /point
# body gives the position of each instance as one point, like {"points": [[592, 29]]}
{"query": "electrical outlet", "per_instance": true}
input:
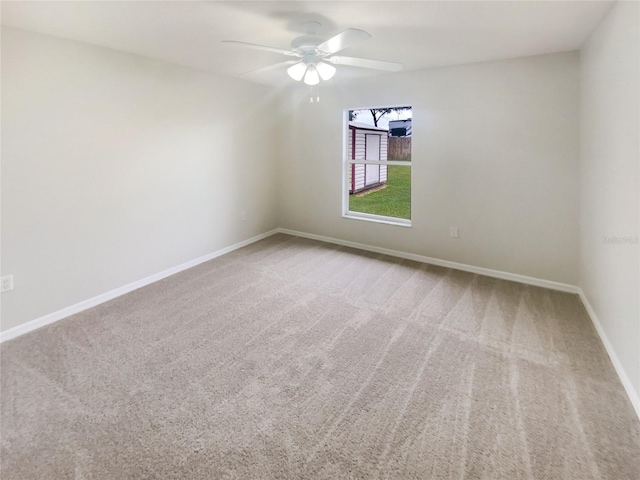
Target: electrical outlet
{"points": [[243, 216], [453, 232], [6, 283]]}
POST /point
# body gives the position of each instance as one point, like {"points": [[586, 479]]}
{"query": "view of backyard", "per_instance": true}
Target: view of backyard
{"points": [[392, 201], [382, 135]]}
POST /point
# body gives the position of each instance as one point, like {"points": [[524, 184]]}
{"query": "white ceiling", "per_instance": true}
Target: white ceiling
{"points": [[418, 34]]}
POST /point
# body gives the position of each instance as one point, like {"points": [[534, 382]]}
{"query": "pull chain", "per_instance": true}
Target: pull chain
{"points": [[315, 94]]}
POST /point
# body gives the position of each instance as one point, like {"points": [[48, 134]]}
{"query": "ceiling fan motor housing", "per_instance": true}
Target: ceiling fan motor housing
{"points": [[306, 43]]}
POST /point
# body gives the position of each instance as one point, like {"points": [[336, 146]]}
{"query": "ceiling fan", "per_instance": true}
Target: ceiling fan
{"points": [[315, 56]]}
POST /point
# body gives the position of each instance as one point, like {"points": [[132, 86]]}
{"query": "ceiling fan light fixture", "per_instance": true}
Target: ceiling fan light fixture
{"points": [[315, 58], [312, 77], [325, 70], [297, 71]]}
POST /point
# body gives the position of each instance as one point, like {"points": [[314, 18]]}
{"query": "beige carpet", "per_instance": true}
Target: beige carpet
{"points": [[293, 359]]}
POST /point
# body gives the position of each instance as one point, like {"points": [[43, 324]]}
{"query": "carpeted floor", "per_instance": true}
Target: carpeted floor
{"points": [[294, 359]]}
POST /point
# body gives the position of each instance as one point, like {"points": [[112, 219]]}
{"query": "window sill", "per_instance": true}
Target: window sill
{"points": [[398, 222]]}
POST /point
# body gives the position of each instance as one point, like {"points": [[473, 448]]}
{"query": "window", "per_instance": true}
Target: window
{"points": [[377, 165]]}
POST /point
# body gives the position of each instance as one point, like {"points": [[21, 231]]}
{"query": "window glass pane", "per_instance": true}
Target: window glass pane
{"points": [[375, 136], [392, 196]]}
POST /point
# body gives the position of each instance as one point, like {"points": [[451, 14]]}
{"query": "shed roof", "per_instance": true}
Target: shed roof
{"points": [[367, 126]]}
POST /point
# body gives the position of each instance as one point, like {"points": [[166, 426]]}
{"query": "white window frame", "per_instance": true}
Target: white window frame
{"points": [[346, 165]]}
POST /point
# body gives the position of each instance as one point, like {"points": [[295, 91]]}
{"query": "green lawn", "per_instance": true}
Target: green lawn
{"points": [[393, 201]]}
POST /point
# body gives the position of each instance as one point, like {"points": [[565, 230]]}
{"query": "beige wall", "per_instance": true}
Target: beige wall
{"points": [[610, 157], [116, 167], [495, 153]]}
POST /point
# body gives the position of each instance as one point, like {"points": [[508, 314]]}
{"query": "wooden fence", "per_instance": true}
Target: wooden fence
{"points": [[399, 148]]}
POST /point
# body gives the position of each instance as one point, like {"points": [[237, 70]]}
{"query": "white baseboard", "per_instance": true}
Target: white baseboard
{"points": [[622, 374], [538, 282], [105, 297], [624, 378], [92, 302]]}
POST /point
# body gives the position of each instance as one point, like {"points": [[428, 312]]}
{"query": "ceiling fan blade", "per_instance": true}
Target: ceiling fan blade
{"points": [[269, 68], [366, 63], [261, 47], [345, 39]]}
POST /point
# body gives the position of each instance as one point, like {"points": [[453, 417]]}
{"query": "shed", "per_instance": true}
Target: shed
{"points": [[367, 143]]}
